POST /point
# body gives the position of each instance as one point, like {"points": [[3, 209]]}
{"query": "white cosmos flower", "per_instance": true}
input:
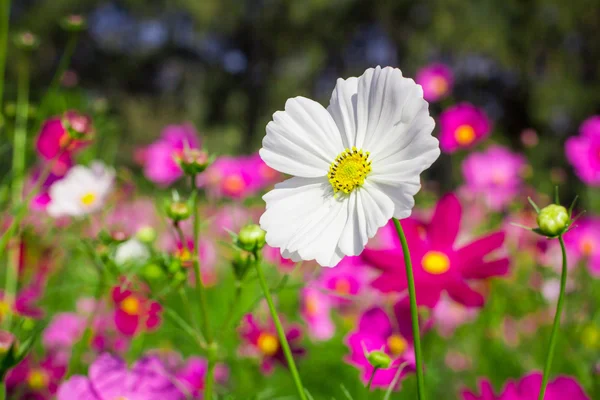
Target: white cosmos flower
{"points": [[131, 251], [355, 165], [82, 191]]}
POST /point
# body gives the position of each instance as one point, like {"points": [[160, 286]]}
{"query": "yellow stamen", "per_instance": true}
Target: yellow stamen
{"points": [[587, 246], [342, 286], [435, 262], [464, 134], [312, 305], [130, 305], [88, 199], [397, 344], [38, 379], [268, 343], [439, 85], [349, 170], [234, 184]]}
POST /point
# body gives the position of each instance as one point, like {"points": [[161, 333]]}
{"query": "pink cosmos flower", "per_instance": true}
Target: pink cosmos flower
{"points": [[192, 376], [494, 174], [262, 176], [54, 138], [462, 126], [439, 264], [350, 278], [583, 151], [134, 312], [437, 81], [261, 341], [273, 255], [36, 380], [316, 308], [376, 331], [583, 244], [228, 177], [528, 388], [160, 158], [109, 378]]}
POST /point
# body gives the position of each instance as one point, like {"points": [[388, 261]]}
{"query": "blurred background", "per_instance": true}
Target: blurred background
{"points": [[227, 65]]}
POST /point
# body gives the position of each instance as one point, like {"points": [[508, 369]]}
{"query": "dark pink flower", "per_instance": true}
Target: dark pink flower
{"points": [[134, 312], [54, 138], [109, 378], [193, 375], [494, 174], [436, 80], [439, 264], [261, 341], [36, 380], [348, 279], [377, 331], [462, 126], [583, 244], [528, 388], [228, 177], [160, 158], [583, 151]]}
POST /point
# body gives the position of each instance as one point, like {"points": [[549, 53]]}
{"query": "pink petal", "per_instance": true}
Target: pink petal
{"points": [[463, 294], [445, 222]]}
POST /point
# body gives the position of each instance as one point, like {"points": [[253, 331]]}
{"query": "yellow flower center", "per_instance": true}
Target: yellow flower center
{"points": [[38, 379], [4, 308], [268, 343], [121, 398], [312, 305], [349, 170], [587, 246], [397, 344], [464, 134], [130, 305], [88, 199], [435, 262], [439, 85], [342, 286], [234, 184]]}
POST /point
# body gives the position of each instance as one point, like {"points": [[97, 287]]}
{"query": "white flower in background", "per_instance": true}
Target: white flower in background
{"points": [[82, 191], [355, 164], [131, 251]]}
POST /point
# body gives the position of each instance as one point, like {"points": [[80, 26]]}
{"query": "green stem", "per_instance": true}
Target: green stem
{"points": [[2, 390], [4, 21], [284, 343], [414, 312], [201, 293], [557, 315], [63, 64], [234, 302], [371, 379], [18, 175]]}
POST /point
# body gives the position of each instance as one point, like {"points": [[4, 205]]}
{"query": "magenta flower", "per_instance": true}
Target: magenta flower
{"points": [[192, 376], [262, 176], [160, 158], [462, 126], [439, 264], [36, 380], [54, 138], [261, 341], [437, 81], [228, 177], [376, 331], [494, 174], [528, 388], [109, 379], [583, 151], [583, 243], [63, 331], [348, 279], [134, 312], [316, 308]]}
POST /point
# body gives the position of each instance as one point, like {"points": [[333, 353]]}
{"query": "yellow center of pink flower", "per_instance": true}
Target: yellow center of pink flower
{"points": [[342, 286], [234, 184], [130, 305], [349, 170], [439, 85], [88, 199], [464, 135], [38, 379], [587, 246], [268, 343], [312, 305], [435, 262], [397, 344]]}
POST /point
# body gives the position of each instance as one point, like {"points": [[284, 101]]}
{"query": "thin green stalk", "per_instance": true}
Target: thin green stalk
{"points": [[2, 390], [18, 176], [63, 64], [371, 378], [234, 302], [414, 312], [280, 332], [201, 292], [4, 21], [557, 315]]}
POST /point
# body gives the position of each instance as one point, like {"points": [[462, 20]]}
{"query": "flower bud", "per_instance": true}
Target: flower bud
{"points": [[553, 220], [179, 277], [193, 161], [378, 359], [251, 238], [26, 41], [178, 211], [78, 126], [152, 271], [146, 234], [73, 23], [241, 263]]}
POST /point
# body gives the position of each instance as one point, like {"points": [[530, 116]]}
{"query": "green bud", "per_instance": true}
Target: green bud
{"points": [[152, 271], [241, 263], [175, 265], [26, 41], [193, 161], [179, 277], [251, 238], [73, 23], [378, 359], [146, 234], [553, 220], [178, 211]]}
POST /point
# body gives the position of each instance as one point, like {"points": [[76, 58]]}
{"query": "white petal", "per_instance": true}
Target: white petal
{"points": [[402, 196], [303, 140], [354, 236], [342, 108], [377, 206]]}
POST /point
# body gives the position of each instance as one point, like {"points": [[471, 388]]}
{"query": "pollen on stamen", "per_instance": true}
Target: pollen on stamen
{"points": [[349, 170]]}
